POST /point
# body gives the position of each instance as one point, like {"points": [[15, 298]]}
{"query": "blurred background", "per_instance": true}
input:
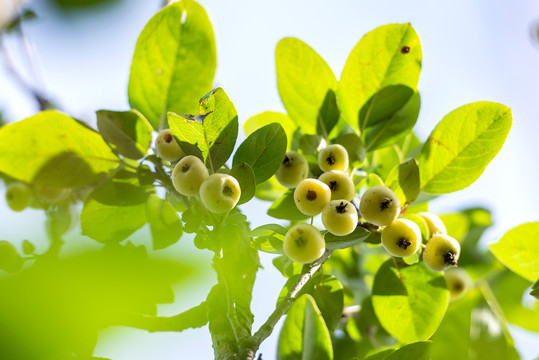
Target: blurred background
{"points": [[78, 54]]}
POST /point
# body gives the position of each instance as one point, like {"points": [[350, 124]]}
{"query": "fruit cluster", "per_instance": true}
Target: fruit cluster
{"points": [[332, 195]]}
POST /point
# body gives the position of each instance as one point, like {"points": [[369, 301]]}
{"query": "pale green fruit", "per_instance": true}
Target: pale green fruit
{"points": [[340, 217], [51, 195], [219, 193], [379, 206], [457, 281], [333, 157], [18, 196], [434, 223], [441, 252], [311, 196], [10, 260], [293, 170], [340, 184], [188, 174], [303, 243], [167, 148], [401, 238]]}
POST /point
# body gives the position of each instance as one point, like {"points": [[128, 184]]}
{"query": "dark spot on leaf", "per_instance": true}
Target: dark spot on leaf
{"points": [[405, 49]]}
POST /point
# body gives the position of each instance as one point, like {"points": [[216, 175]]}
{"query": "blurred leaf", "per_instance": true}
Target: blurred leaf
{"points": [[264, 150], [58, 151], [28, 248], [388, 55], [384, 160], [404, 181], [129, 133], [164, 221], [410, 302], [246, 178], [304, 334], [518, 249], [213, 138], [285, 208], [461, 146], [269, 190], [306, 86], [340, 242], [354, 146], [311, 144], [174, 62], [417, 351], [268, 238], [257, 121]]}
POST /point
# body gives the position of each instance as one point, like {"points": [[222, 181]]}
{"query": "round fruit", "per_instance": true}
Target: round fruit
{"points": [[167, 148], [188, 174], [311, 196], [441, 252], [333, 157], [18, 196], [303, 243], [457, 282], [340, 184], [340, 217], [379, 206], [10, 260], [219, 193], [51, 195], [434, 223], [401, 238], [293, 170]]}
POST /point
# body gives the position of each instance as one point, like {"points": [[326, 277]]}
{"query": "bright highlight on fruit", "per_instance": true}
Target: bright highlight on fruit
{"points": [[303, 243], [311, 196], [340, 184], [188, 174], [293, 170], [379, 206], [167, 148], [441, 252], [340, 217], [219, 193], [333, 157], [18, 196], [401, 238]]}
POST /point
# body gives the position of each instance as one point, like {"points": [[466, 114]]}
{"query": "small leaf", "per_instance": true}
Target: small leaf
{"points": [[58, 151], [285, 208], [304, 334], [128, 132], [246, 178], [461, 146], [264, 150], [306, 86], [174, 62], [164, 221], [404, 181], [410, 302], [388, 55], [341, 242], [518, 249]]}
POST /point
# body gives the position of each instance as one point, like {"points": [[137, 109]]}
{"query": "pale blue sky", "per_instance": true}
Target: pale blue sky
{"points": [[472, 50]]}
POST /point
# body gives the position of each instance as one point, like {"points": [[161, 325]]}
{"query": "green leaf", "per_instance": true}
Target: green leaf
{"points": [[213, 135], [417, 351], [340, 242], [257, 121], [378, 60], [383, 105], [286, 267], [384, 160], [264, 150], [128, 132], [410, 302], [174, 62], [246, 178], [518, 249], [304, 334], [461, 146], [535, 290], [394, 126], [306, 85], [404, 181], [268, 238], [164, 221], [269, 190], [354, 146], [328, 293], [285, 208], [57, 150]]}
